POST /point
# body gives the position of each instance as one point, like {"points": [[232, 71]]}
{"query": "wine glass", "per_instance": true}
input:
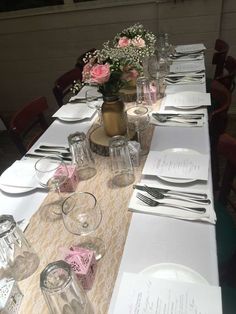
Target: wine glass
{"points": [[82, 216], [52, 173], [138, 118], [94, 101]]}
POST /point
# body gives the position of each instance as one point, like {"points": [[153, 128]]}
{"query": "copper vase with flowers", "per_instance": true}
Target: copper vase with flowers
{"points": [[116, 67]]}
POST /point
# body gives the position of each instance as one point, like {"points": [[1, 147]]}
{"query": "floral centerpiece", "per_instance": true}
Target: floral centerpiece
{"points": [[119, 62]]}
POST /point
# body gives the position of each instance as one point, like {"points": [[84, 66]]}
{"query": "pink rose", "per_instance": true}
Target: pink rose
{"points": [[124, 42], [100, 73], [138, 42]]}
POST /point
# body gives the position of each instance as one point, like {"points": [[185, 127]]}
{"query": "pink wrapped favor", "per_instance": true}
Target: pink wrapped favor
{"points": [[71, 183], [83, 263]]}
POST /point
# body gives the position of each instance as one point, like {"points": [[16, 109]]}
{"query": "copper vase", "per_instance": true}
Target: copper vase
{"points": [[114, 116]]}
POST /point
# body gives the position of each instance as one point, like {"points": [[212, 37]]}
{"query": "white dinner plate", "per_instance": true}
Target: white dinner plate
{"points": [[178, 151], [15, 189], [72, 119], [177, 272]]}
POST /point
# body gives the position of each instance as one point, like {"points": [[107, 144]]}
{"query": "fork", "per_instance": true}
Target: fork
{"points": [[159, 195], [150, 202]]}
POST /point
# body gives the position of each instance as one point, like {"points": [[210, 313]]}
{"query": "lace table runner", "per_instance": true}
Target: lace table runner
{"points": [[47, 236]]}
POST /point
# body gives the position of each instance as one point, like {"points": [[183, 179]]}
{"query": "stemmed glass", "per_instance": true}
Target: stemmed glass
{"points": [[138, 118], [94, 101], [52, 173], [82, 216]]}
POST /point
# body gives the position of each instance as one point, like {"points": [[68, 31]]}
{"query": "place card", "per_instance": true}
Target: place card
{"points": [[144, 294], [178, 163], [187, 99]]}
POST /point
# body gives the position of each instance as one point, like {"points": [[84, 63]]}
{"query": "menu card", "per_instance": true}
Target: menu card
{"points": [[179, 67], [177, 163], [187, 99], [149, 295]]}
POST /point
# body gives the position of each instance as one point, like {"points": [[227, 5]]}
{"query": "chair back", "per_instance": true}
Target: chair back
{"points": [[64, 83], [217, 124], [219, 56], [228, 78], [25, 121], [80, 61], [227, 148]]}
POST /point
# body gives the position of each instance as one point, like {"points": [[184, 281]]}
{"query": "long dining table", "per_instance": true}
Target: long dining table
{"points": [[134, 241]]}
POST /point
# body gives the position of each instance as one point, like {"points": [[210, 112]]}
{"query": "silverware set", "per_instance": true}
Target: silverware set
{"points": [[45, 150], [162, 194], [186, 78], [153, 203], [179, 118]]}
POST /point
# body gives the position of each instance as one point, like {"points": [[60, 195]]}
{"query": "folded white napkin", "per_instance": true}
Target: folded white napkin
{"points": [[138, 206], [82, 93], [190, 48], [20, 174], [74, 111]]}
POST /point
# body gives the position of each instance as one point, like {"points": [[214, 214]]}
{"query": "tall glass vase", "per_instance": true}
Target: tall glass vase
{"points": [[114, 116]]}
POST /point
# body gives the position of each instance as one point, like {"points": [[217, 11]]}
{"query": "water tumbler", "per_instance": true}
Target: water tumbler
{"points": [[17, 257], [82, 155], [121, 165], [62, 290]]}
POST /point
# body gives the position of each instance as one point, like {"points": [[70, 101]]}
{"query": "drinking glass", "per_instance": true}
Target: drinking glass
{"points": [[121, 165], [17, 257], [82, 216], [52, 173], [94, 101], [138, 120], [81, 155], [62, 290], [143, 92]]}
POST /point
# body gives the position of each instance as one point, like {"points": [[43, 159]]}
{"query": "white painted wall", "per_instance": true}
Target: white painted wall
{"points": [[39, 45]]}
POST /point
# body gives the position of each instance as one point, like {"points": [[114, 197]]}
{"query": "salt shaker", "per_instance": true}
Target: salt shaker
{"points": [[16, 254], [82, 155], [62, 291]]}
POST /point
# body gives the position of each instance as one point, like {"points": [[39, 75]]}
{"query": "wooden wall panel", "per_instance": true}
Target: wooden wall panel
{"points": [[36, 49]]}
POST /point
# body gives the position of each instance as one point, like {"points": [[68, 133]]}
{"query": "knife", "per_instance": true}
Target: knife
{"points": [[174, 192], [54, 152], [54, 147], [40, 156]]}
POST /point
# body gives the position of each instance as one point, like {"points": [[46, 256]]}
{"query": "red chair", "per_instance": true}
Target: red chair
{"points": [[219, 56], [64, 83], [227, 79], [22, 124], [227, 149], [217, 124]]}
